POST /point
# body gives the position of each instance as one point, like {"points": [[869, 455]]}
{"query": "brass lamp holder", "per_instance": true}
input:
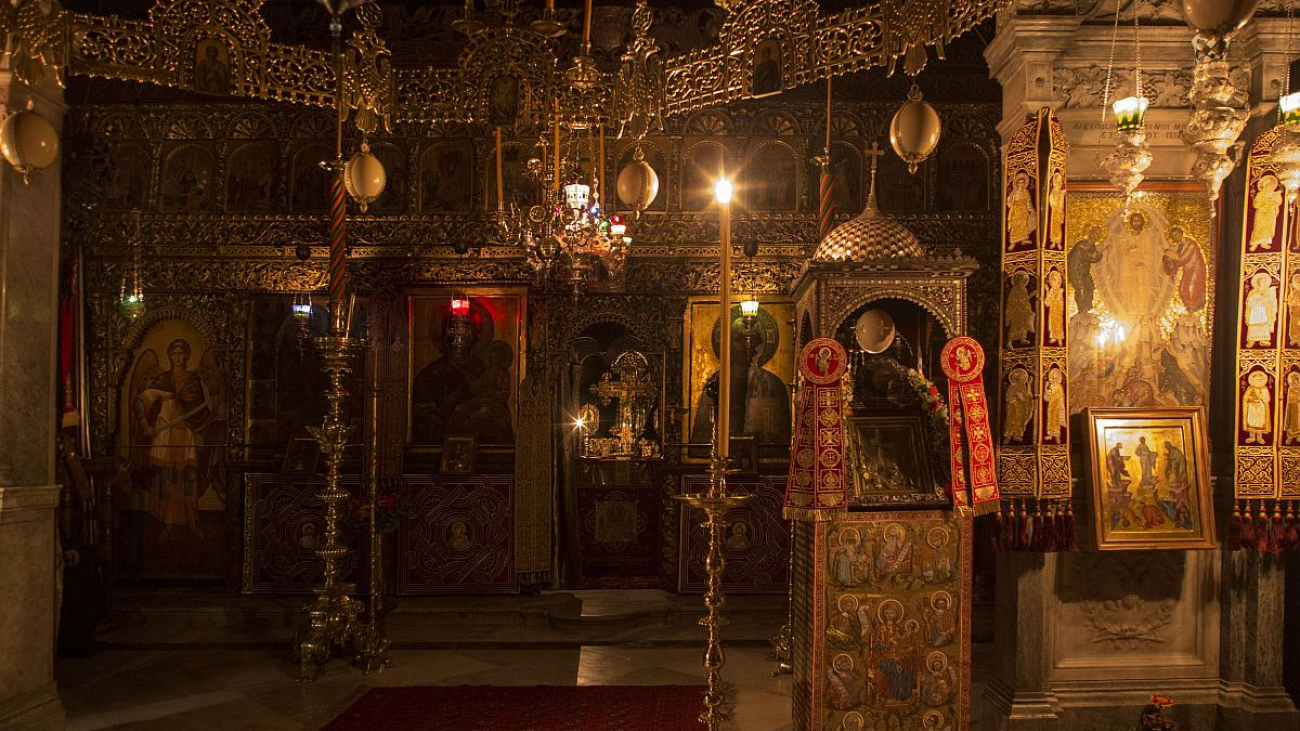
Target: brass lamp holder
{"points": [[333, 614], [715, 503]]}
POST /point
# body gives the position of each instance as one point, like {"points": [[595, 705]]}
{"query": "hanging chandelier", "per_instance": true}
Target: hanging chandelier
{"points": [[1127, 165], [1218, 106], [566, 234]]}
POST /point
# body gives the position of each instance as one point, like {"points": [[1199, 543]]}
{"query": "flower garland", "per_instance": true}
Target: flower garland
{"points": [[929, 394]]}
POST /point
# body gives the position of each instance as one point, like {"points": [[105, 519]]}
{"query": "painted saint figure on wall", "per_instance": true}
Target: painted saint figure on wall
{"points": [[466, 390], [1022, 216], [767, 68], [1257, 408], [850, 627], [1293, 311], [1054, 307], [1261, 310], [760, 400], [845, 684], [1183, 260], [848, 563], [939, 681], [1138, 336], [174, 411], [211, 68], [1020, 319], [893, 659], [1018, 405], [1291, 413], [1056, 210], [1078, 267], [1267, 204], [1058, 414]]}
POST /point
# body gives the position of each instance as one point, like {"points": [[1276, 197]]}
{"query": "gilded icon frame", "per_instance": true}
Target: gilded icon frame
{"points": [[1192, 522], [459, 454], [926, 491], [302, 456], [699, 362]]}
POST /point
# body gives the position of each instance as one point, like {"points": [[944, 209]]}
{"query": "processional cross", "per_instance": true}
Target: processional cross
{"points": [[632, 390]]}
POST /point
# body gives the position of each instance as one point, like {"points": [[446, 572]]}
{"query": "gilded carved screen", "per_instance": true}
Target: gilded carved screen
{"points": [[1141, 298]]}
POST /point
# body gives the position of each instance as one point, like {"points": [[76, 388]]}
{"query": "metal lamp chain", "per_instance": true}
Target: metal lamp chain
{"points": [[1110, 64], [1137, 52], [1290, 56]]}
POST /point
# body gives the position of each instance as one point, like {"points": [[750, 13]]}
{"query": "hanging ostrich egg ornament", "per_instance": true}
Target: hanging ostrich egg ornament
{"points": [[28, 142], [1221, 18], [638, 183], [914, 131], [364, 177]]}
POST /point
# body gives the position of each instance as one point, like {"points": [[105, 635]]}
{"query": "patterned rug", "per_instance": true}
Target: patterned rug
{"points": [[525, 708]]}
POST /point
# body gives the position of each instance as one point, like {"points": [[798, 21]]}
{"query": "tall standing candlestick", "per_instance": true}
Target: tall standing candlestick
{"points": [[333, 615], [500, 180], [717, 502]]}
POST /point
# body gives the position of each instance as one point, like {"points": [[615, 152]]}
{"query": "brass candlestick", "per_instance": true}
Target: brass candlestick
{"points": [[716, 503], [370, 643], [784, 637], [333, 614]]}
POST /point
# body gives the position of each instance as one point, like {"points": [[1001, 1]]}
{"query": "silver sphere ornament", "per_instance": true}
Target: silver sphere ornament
{"points": [[28, 142], [915, 129], [364, 177], [638, 183]]}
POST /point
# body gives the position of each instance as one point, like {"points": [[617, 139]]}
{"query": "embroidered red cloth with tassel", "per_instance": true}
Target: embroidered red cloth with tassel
{"points": [[963, 363], [817, 489]]}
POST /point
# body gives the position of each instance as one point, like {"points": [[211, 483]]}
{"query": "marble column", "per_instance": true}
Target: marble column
{"points": [[1252, 695], [29, 288], [1020, 693]]}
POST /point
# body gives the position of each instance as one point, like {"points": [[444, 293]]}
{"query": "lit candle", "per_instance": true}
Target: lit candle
{"points": [[1128, 113], [586, 26], [557, 151], [600, 179], [722, 191], [500, 178]]}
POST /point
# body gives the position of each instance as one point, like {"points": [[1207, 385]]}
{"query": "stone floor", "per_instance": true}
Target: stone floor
{"points": [[255, 690], [207, 669]]}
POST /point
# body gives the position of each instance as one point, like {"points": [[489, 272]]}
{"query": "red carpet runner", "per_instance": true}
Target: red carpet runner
{"points": [[526, 708]]}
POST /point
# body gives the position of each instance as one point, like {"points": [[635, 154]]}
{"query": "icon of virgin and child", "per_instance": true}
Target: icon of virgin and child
{"points": [[466, 389]]}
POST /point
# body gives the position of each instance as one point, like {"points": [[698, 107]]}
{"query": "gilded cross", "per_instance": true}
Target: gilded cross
{"points": [[630, 389]]}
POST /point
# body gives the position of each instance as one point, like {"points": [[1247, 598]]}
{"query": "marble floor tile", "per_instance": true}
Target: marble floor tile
{"points": [[257, 690]]}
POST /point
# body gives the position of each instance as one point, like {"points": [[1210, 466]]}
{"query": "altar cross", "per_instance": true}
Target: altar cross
{"points": [[632, 385]]}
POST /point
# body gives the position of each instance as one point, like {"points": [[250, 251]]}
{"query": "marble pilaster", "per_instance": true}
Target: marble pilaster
{"points": [[29, 288]]}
